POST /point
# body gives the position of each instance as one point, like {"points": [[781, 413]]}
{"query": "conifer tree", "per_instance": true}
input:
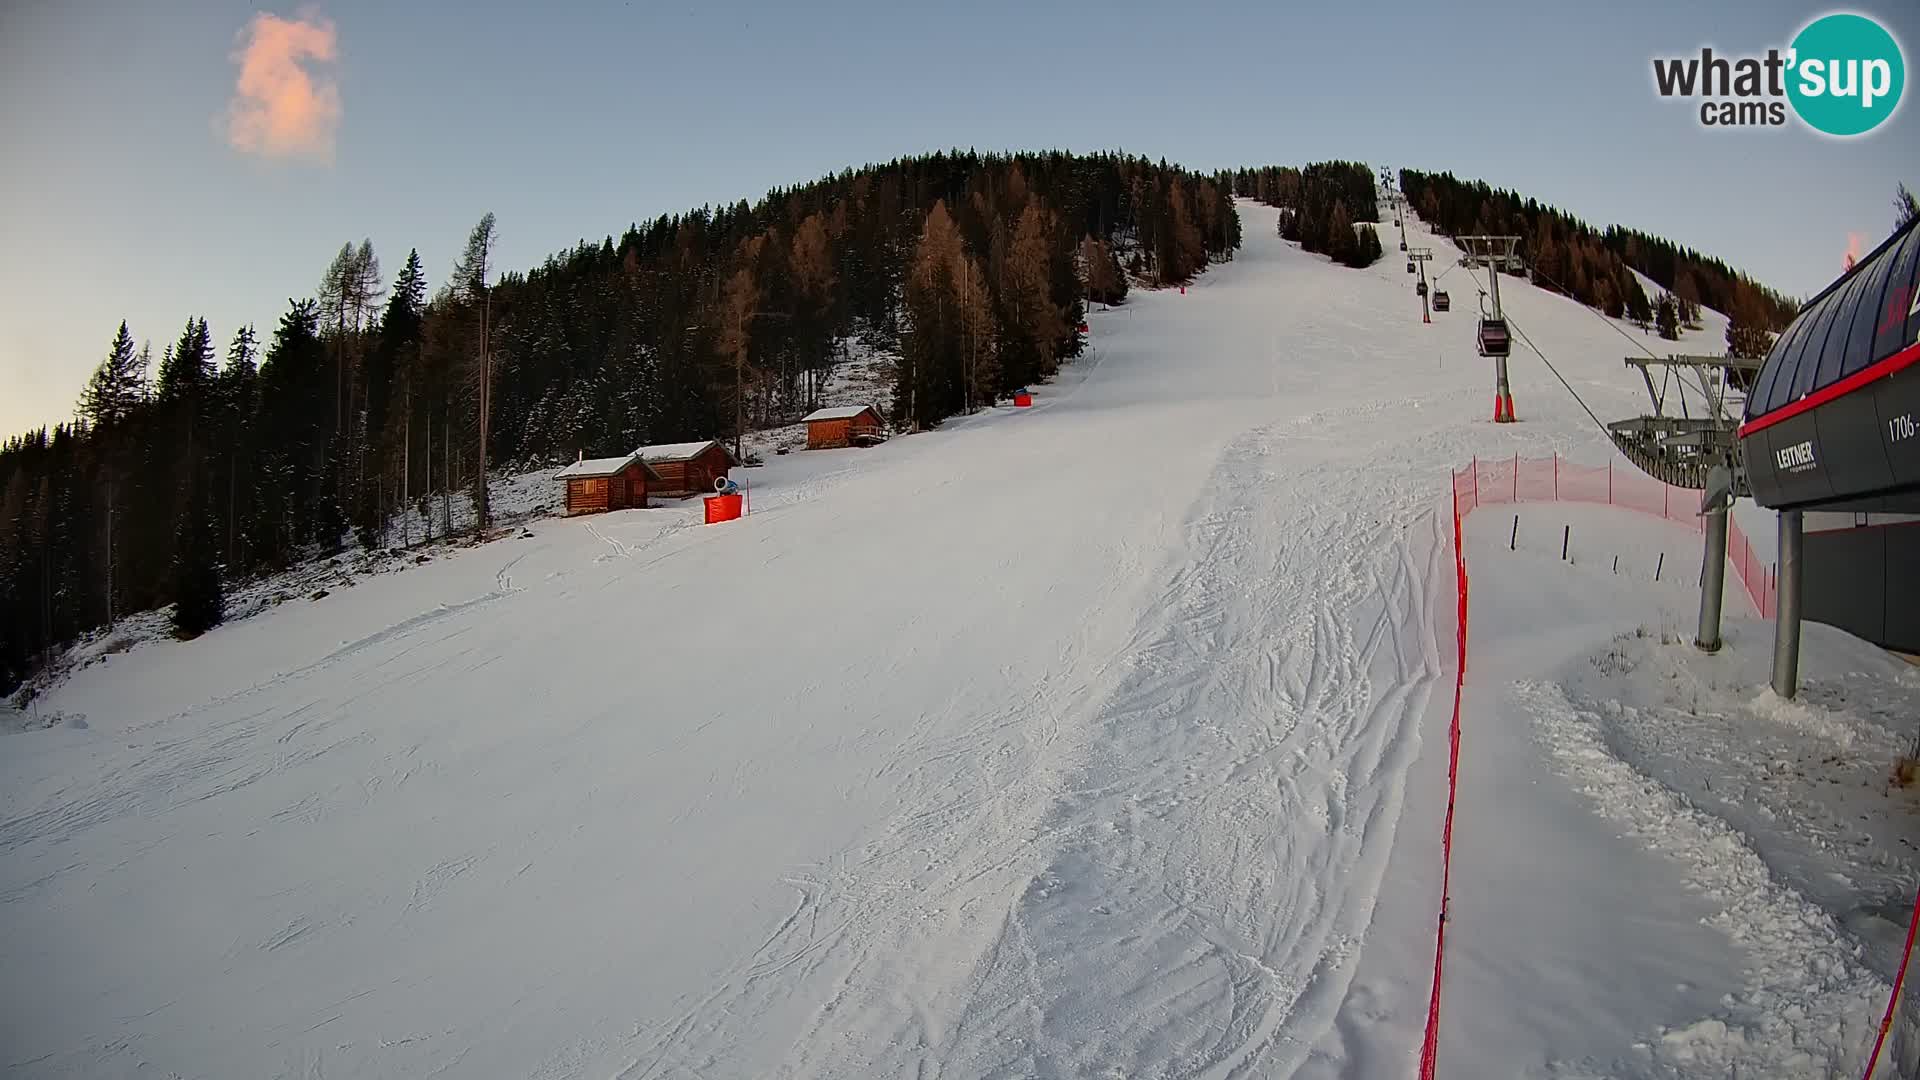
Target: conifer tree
{"points": [[118, 385], [1034, 325], [470, 286], [817, 314], [199, 595], [949, 350], [618, 341], [1667, 317], [1639, 309], [1747, 333], [1340, 240], [187, 367], [1366, 248]]}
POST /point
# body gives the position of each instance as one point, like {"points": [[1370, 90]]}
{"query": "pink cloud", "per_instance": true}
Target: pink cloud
{"points": [[1853, 249], [285, 104]]}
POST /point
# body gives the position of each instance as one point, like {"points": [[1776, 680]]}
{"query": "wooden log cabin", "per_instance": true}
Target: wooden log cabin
{"points": [[847, 425], [596, 485], [688, 468]]}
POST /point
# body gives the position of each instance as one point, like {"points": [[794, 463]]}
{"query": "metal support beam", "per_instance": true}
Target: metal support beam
{"points": [[1786, 622], [1493, 252], [1419, 256], [1713, 582]]}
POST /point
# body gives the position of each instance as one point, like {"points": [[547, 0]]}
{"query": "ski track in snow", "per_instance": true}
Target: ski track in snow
{"points": [[1069, 741]]}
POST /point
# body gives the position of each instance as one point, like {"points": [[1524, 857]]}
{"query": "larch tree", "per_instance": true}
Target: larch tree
{"points": [[734, 333], [470, 286], [816, 317], [949, 352], [1034, 325]]}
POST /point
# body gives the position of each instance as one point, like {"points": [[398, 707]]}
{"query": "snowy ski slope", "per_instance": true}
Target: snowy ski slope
{"points": [[1078, 740]]}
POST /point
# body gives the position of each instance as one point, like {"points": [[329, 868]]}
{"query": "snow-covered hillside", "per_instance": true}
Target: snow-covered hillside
{"points": [[1104, 737]]}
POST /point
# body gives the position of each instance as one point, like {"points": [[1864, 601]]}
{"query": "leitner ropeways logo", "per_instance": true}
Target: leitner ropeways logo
{"points": [[1843, 75], [1795, 458]]}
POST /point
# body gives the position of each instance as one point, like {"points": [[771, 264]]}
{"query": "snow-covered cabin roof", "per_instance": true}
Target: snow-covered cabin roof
{"points": [[682, 451], [839, 412], [594, 467]]}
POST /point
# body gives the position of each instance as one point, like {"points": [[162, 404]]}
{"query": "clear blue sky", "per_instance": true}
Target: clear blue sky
{"points": [[124, 199]]}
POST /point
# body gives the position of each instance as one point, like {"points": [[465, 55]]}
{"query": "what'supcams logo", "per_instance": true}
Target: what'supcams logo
{"points": [[1842, 75]]}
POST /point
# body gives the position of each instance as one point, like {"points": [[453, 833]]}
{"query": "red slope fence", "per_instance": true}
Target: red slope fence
{"points": [[1497, 481], [1490, 481], [1430, 1045], [1893, 998]]}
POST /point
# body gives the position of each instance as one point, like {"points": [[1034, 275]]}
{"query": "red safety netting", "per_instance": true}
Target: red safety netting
{"points": [[1430, 1044], [1755, 575], [1515, 480], [1486, 482], [1893, 998]]}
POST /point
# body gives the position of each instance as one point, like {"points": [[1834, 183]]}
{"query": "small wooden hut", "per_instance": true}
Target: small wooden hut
{"points": [[688, 468], [846, 425], [595, 485]]}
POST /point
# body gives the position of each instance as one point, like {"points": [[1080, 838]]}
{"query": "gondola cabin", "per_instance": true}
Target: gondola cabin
{"points": [[688, 468], [596, 485], [1420, 289], [848, 425], [1409, 266], [1494, 338], [1441, 301]]}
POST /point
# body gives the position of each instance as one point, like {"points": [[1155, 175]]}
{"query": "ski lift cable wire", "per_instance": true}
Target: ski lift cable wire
{"points": [[1568, 293], [1698, 375], [1522, 334], [1615, 327]]}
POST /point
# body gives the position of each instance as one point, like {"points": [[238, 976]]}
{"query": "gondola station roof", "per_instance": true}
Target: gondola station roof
{"points": [[1831, 417]]}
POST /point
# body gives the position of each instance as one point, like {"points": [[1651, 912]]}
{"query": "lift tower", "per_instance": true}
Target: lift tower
{"points": [[1420, 256], [1698, 448], [1494, 253]]}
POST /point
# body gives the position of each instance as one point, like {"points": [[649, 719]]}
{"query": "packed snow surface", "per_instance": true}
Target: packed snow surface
{"points": [[1706, 880], [1101, 738]]}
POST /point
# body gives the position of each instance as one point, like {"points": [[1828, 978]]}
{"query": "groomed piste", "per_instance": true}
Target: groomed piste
{"points": [[1105, 737]]}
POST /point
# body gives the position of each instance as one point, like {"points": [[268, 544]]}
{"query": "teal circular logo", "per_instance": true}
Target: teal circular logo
{"points": [[1846, 74]]}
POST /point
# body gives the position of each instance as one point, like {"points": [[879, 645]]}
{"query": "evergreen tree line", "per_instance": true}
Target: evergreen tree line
{"points": [[1569, 256], [373, 397], [1329, 207]]}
